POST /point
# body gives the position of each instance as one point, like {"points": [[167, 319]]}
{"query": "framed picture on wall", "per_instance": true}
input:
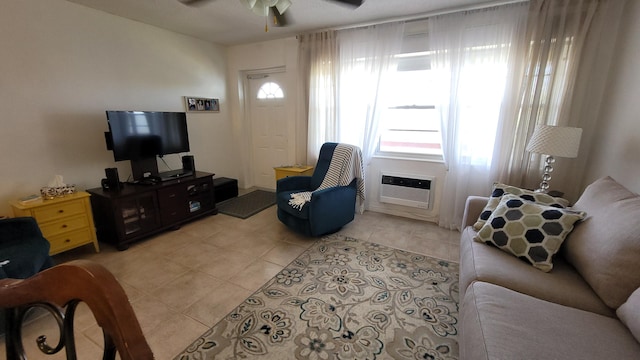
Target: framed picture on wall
{"points": [[197, 104]]}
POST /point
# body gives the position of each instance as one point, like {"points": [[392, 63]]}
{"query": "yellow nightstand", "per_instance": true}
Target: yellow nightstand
{"points": [[67, 222], [286, 171]]}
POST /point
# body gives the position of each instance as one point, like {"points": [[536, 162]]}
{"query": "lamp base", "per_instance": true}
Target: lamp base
{"points": [[546, 176]]}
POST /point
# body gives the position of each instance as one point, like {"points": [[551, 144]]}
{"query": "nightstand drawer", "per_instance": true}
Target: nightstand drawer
{"points": [[64, 225], [57, 211], [66, 241]]}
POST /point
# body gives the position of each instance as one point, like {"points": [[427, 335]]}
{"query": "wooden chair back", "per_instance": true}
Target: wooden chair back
{"points": [[60, 289]]}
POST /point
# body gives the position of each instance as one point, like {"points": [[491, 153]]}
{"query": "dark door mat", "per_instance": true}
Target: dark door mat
{"points": [[248, 204]]}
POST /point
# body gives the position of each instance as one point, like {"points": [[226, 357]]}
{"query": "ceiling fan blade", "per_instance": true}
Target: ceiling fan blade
{"points": [[194, 2], [279, 19], [354, 3]]}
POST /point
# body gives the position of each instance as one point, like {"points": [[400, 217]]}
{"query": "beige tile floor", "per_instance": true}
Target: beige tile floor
{"points": [[180, 283]]}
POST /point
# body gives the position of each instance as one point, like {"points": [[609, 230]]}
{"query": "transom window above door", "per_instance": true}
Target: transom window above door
{"points": [[270, 90]]}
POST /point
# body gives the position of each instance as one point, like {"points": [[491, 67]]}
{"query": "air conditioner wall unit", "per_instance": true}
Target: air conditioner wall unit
{"points": [[406, 189]]}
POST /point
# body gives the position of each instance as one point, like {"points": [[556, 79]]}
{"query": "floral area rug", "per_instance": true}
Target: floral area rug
{"points": [[344, 299]]}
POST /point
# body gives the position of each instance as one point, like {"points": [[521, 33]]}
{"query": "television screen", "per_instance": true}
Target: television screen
{"points": [[144, 134]]}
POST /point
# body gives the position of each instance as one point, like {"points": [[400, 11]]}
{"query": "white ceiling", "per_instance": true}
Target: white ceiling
{"points": [[229, 22]]}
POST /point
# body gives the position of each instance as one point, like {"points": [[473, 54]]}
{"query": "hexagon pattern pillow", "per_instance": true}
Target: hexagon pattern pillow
{"points": [[528, 230], [501, 189]]}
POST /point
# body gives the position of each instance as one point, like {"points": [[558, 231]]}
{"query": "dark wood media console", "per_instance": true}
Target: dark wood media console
{"points": [[138, 211]]}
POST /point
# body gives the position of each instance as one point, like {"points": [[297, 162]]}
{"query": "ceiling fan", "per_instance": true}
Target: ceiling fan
{"points": [[274, 7]]}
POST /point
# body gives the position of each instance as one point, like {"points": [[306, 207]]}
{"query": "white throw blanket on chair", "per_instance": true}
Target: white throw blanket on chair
{"points": [[346, 165]]}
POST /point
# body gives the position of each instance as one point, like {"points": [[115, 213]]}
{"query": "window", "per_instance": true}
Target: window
{"points": [[270, 90], [409, 122], [140, 124]]}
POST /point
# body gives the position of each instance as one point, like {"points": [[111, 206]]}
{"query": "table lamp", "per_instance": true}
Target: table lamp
{"points": [[553, 141]]}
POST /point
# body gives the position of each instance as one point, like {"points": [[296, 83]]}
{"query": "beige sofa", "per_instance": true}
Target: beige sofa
{"points": [[586, 307]]}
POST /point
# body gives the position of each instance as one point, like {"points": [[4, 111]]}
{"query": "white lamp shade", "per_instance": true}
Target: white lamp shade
{"points": [[269, 3], [261, 7], [555, 141], [249, 3], [283, 5]]}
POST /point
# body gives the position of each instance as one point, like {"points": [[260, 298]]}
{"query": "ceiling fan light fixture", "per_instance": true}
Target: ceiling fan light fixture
{"points": [[260, 10], [249, 3], [283, 5]]}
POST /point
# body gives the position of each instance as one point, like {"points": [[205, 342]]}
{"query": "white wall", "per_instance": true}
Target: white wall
{"points": [[63, 65], [616, 151]]}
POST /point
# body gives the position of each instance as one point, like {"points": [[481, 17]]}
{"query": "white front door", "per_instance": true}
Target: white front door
{"points": [[268, 122]]}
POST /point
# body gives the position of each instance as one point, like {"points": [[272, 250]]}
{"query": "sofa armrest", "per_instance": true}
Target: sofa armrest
{"points": [[472, 209], [329, 197], [301, 183]]}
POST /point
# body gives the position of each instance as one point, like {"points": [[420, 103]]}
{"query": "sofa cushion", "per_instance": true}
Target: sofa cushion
{"points": [[500, 189], [498, 323], [605, 247], [563, 285], [528, 230], [629, 313]]}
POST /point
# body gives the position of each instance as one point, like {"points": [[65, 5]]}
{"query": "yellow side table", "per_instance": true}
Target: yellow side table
{"points": [[67, 222], [286, 171]]}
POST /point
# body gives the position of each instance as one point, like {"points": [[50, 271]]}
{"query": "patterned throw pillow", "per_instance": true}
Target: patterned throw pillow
{"points": [[501, 189], [528, 230]]}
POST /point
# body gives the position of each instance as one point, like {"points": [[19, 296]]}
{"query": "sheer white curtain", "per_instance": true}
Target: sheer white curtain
{"points": [[318, 55], [569, 44], [347, 71], [474, 56], [366, 58]]}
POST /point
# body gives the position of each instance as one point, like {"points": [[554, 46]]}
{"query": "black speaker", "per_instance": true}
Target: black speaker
{"points": [[188, 163], [112, 182]]}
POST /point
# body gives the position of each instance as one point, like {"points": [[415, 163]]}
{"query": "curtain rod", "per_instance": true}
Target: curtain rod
{"points": [[426, 15]]}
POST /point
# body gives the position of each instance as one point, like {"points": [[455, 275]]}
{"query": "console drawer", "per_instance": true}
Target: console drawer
{"points": [[174, 204]]}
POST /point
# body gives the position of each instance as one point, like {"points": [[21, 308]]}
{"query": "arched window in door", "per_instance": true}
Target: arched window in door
{"points": [[270, 90]]}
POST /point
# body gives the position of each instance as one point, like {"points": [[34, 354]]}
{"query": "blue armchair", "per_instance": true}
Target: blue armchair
{"points": [[23, 250], [329, 209]]}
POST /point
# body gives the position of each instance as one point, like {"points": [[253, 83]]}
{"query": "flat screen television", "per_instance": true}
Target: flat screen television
{"points": [[139, 135]]}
